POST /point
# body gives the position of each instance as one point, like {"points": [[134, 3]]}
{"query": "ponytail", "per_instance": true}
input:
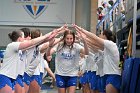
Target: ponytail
{"points": [[15, 35]]}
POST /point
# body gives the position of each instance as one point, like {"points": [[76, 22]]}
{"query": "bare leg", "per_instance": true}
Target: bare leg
{"points": [[86, 88], [111, 89], [94, 91], [61, 90], [26, 88], [71, 89], [13, 91], [23, 90], [6, 89], [18, 88], [34, 87]]}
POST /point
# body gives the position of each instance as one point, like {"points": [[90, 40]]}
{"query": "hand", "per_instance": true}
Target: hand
{"points": [[81, 36], [51, 42], [62, 29], [80, 31], [79, 28], [53, 34], [49, 58], [80, 73]]}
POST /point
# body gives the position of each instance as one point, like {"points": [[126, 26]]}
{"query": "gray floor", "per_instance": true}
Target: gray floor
{"points": [[47, 89], [54, 90]]}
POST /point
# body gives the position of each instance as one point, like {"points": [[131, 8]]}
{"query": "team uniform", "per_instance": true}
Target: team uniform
{"points": [[93, 68], [32, 63], [112, 73], [86, 76], [43, 64], [83, 67], [21, 67], [67, 65], [99, 72], [8, 71]]}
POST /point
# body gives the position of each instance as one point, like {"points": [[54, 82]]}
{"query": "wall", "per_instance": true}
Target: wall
{"points": [[82, 18], [93, 21]]}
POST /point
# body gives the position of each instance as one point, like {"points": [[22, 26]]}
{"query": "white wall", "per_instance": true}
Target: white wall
{"points": [[37, 13], [82, 18]]}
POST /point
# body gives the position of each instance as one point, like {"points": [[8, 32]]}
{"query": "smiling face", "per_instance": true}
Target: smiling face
{"points": [[69, 39]]}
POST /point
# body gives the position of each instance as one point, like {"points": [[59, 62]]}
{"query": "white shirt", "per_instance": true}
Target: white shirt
{"points": [[111, 58], [82, 63], [98, 58], [10, 60], [91, 62], [37, 70], [67, 61], [45, 66], [33, 60], [22, 62], [42, 63]]}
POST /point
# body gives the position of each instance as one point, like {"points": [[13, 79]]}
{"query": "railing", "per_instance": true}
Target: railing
{"points": [[105, 23]]}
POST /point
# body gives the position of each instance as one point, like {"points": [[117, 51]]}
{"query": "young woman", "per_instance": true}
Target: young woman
{"points": [[32, 79], [19, 86], [36, 78], [34, 85], [66, 62], [112, 73]]}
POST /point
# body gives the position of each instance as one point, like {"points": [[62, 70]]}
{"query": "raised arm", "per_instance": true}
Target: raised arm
{"points": [[96, 40], [46, 45], [53, 41], [33, 42], [37, 41], [82, 37]]}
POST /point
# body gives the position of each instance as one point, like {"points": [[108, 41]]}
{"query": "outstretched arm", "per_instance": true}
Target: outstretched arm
{"points": [[53, 42], [96, 40], [34, 42], [82, 37], [50, 72]]}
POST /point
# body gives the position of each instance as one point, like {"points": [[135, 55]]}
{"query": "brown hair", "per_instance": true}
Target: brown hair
{"points": [[64, 36], [109, 35], [15, 35], [35, 33], [26, 31]]}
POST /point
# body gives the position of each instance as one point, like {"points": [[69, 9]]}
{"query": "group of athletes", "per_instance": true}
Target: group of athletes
{"points": [[79, 54]]}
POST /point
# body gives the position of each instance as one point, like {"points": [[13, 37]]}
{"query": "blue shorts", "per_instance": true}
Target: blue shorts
{"points": [[4, 80], [26, 79], [66, 81], [84, 78], [89, 76], [41, 77], [19, 80], [93, 81], [37, 79], [100, 83], [115, 80]]}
